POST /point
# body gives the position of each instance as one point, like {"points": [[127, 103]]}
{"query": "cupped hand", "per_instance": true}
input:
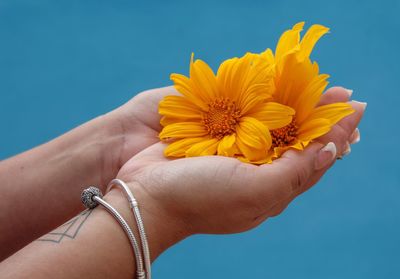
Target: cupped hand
{"points": [[215, 194], [132, 127]]}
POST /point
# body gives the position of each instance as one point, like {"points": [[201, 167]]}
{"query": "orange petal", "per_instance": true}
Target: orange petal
{"points": [[310, 97], [179, 147], [184, 85], [288, 40], [273, 115], [204, 80], [179, 107], [253, 139], [203, 148], [333, 112], [314, 33], [268, 56], [226, 146], [253, 133], [313, 129], [183, 130]]}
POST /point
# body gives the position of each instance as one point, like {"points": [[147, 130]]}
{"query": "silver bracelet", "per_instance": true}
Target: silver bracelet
{"points": [[136, 212], [91, 197]]}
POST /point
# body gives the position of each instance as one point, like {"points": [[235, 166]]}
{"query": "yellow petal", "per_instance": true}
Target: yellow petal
{"points": [[266, 160], [166, 120], [253, 139], [184, 85], [226, 146], [268, 56], [179, 107], [179, 147], [236, 77], [253, 133], [251, 154], [224, 75], [289, 40], [310, 97], [314, 33], [183, 130], [203, 148], [203, 79], [273, 115], [253, 99], [333, 112], [313, 129]]}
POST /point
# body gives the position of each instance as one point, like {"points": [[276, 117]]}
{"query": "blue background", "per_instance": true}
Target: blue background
{"points": [[65, 62]]}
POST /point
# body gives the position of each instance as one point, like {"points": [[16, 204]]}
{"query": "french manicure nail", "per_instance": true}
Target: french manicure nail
{"points": [[355, 137], [325, 156], [347, 149], [349, 91], [364, 104]]}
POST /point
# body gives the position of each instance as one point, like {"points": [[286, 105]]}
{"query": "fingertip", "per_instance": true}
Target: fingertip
{"points": [[335, 94]]}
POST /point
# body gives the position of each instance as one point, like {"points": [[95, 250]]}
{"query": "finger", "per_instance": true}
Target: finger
{"points": [[350, 123], [274, 183], [334, 95], [341, 133], [295, 171], [146, 106]]}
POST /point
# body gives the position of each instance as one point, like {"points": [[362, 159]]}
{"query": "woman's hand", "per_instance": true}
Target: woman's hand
{"points": [[215, 194], [52, 175], [134, 126]]}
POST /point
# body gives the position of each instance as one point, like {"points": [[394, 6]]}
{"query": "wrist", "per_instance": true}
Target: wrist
{"points": [[162, 230]]}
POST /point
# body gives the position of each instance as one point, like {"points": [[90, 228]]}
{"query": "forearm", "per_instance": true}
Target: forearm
{"points": [[40, 188], [94, 246]]}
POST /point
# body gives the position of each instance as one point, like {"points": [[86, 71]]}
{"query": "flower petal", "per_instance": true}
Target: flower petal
{"points": [[273, 115], [253, 133], [310, 97], [288, 40], [314, 33], [183, 130], [179, 147], [179, 107], [313, 129], [203, 148], [226, 146], [333, 112], [203, 79], [184, 86], [253, 139], [268, 56]]}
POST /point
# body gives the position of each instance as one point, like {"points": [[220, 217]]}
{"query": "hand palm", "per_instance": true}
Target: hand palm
{"points": [[222, 194]]}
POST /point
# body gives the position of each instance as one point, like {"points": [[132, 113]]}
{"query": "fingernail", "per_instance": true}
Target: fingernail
{"points": [[364, 104], [347, 149], [349, 91], [325, 156], [355, 136]]}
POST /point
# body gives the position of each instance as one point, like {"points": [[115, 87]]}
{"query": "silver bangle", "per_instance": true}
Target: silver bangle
{"points": [[136, 212], [91, 197]]}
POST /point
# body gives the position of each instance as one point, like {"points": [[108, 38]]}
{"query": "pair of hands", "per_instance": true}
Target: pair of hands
{"points": [[215, 194]]}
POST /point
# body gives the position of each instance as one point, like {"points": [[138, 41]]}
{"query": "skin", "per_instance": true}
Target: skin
{"points": [[182, 197]]}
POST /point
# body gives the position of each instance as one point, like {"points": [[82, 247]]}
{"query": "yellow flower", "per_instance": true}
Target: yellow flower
{"points": [[227, 114], [299, 85]]}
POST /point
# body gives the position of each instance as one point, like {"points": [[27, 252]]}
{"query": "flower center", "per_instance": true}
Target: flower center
{"points": [[221, 118], [284, 136]]}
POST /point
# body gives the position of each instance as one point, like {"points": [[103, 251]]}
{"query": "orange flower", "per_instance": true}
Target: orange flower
{"points": [[225, 114], [255, 108], [299, 85]]}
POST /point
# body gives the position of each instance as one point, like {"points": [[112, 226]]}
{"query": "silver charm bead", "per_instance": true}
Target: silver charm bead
{"points": [[87, 197]]}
